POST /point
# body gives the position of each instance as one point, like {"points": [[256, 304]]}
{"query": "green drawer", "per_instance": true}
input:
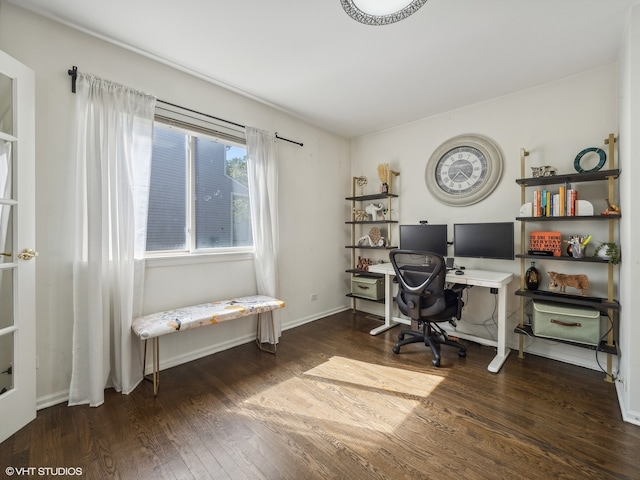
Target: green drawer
{"points": [[566, 322], [368, 287]]}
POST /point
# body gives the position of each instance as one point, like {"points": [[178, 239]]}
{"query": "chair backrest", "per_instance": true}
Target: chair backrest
{"points": [[421, 279]]}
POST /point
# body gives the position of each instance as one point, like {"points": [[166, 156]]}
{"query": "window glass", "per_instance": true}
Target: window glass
{"points": [[213, 174], [167, 217]]}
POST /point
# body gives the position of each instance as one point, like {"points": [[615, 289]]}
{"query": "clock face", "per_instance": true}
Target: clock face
{"points": [[464, 170], [461, 170]]}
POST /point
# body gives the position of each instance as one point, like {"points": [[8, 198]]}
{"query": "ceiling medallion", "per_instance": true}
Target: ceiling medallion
{"points": [[379, 18]]}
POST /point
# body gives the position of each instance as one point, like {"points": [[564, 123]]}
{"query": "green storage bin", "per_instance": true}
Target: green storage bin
{"points": [[368, 287], [566, 322]]}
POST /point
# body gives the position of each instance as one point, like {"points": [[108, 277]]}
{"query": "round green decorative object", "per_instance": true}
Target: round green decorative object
{"points": [[601, 154]]}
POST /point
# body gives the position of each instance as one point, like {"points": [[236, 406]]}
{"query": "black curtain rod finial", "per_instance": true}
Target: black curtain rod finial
{"points": [[74, 76]]}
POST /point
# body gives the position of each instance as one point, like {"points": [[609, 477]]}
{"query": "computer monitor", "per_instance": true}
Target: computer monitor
{"points": [[483, 240], [424, 237]]}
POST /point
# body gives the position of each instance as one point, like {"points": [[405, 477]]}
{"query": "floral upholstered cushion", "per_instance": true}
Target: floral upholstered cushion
{"points": [[162, 323]]}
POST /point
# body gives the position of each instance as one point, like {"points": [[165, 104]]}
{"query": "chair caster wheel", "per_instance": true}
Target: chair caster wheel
{"points": [[401, 336], [396, 349], [462, 354], [435, 363]]}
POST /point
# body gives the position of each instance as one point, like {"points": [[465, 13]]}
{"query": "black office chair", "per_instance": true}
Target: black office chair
{"points": [[422, 296]]}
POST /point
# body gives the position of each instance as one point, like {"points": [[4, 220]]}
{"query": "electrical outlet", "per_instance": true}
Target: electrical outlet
{"points": [[624, 383], [313, 297]]}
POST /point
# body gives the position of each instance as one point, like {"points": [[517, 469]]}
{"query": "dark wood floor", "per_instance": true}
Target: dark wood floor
{"points": [[336, 403]]}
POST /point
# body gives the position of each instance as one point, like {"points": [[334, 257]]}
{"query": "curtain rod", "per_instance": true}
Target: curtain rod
{"points": [[73, 73]]}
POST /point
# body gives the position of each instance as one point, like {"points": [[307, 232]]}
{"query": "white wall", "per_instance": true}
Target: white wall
{"points": [[553, 122], [314, 180], [629, 391]]}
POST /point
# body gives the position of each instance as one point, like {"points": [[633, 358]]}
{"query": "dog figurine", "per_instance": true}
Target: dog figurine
{"points": [[561, 280]]}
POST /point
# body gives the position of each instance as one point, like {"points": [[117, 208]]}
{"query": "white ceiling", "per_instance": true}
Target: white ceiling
{"points": [[309, 58]]}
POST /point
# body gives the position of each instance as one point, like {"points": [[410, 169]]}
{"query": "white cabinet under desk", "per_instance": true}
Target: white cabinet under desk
{"points": [[479, 278]]}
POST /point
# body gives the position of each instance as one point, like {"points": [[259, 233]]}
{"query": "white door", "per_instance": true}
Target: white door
{"points": [[17, 246]]}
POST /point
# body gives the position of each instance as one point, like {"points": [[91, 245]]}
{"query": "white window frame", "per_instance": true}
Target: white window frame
{"points": [[194, 126]]}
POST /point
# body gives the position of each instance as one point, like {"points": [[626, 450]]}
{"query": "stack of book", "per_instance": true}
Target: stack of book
{"points": [[555, 204]]}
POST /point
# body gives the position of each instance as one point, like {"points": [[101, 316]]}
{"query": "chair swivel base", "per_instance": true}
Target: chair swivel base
{"points": [[431, 340]]}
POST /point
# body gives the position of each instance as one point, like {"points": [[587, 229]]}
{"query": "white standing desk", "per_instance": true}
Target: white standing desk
{"points": [[478, 278]]}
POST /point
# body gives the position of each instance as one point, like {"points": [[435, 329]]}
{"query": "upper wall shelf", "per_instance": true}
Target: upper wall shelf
{"points": [[375, 196], [364, 222], [569, 218], [569, 178]]}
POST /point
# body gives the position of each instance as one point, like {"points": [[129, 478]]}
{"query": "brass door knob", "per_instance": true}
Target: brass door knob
{"points": [[27, 254]]}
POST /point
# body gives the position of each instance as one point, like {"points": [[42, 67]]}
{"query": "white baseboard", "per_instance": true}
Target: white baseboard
{"points": [[52, 399]]}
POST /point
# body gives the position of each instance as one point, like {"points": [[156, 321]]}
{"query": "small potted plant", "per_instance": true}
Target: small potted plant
{"points": [[608, 250]]}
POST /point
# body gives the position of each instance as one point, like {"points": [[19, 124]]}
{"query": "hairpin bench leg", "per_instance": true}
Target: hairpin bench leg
{"points": [[155, 375], [259, 334], [156, 365]]}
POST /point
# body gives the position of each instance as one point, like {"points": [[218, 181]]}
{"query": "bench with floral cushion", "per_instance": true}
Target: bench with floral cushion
{"points": [[155, 325]]}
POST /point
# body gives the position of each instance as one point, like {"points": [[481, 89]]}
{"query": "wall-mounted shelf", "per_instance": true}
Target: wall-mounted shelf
{"points": [[364, 273], [359, 202], [358, 297], [601, 347], [563, 258], [574, 218], [370, 222], [366, 247], [598, 303], [374, 196], [606, 306], [569, 178]]}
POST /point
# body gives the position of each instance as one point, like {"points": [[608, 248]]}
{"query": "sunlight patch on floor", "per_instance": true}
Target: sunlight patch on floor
{"points": [[349, 393], [391, 379]]}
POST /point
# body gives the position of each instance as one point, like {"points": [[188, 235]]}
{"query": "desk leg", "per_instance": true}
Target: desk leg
{"points": [[388, 306], [503, 351]]}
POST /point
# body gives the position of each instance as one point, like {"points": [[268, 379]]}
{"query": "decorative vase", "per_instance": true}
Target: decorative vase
{"points": [[532, 277]]}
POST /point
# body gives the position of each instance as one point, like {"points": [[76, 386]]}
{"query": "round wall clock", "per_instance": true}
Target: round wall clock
{"points": [[464, 170]]}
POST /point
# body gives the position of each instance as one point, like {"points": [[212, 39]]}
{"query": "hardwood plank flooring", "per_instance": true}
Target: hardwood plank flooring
{"points": [[336, 403]]}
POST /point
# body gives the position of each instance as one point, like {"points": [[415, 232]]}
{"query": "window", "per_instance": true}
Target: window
{"points": [[199, 193]]}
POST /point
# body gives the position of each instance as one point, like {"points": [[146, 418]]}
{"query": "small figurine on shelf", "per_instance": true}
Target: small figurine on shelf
{"points": [[562, 281], [359, 215], [361, 182], [546, 171], [363, 264], [372, 209], [373, 239], [612, 210]]}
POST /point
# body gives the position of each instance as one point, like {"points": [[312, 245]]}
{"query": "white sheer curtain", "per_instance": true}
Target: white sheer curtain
{"points": [[262, 170], [113, 159]]}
